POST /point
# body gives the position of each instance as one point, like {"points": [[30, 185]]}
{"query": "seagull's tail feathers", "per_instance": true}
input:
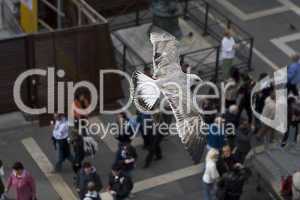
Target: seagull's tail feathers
{"points": [[145, 91]]}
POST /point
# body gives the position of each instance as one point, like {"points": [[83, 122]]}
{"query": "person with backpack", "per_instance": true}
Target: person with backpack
{"points": [[2, 186], [120, 185], [92, 193], [87, 174]]}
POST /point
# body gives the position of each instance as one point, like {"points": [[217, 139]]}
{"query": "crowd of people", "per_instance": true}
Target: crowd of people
{"points": [[224, 174]]}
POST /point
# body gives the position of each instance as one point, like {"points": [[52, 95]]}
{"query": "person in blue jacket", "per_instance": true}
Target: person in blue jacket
{"points": [[216, 134], [293, 71]]}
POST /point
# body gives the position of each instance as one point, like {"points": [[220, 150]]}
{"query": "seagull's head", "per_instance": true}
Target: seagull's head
{"points": [[194, 79]]}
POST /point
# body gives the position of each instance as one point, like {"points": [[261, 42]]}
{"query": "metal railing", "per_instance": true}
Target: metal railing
{"points": [[92, 15], [202, 61], [210, 20], [214, 23]]}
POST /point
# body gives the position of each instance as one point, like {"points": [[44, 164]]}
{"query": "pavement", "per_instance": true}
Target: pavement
{"points": [[174, 177]]}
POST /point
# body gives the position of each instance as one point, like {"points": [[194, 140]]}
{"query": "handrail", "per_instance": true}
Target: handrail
{"points": [[93, 11]]}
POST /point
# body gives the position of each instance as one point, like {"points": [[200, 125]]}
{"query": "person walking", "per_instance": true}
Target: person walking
{"points": [[154, 148], [261, 96], [120, 185], [293, 119], [245, 92], [231, 124], [127, 157], [146, 125], [268, 112], [87, 174], [293, 71], [77, 143], [211, 175], [228, 48], [232, 183], [232, 87], [216, 134], [243, 141], [22, 181], [60, 140], [227, 160]]}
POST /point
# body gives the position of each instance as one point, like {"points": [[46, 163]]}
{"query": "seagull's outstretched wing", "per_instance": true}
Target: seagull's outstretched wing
{"points": [[166, 59], [145, 92], [188, 126]]}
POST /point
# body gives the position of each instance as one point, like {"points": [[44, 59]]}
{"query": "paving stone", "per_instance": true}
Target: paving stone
{"points": [[250, 6]]}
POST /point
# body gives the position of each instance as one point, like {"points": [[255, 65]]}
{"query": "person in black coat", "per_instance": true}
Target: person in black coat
{"points": [[227, 161], [261, 97], [146, 127], [124, 134], [78, 149], [127, 158], [156, 137], [119, 185], [231, 124], [87, 174], [243, 145], [231, 185], [245, 91]]}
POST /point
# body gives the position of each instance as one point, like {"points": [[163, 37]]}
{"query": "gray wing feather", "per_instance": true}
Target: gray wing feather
{"points": [[188, 127], [166, 58]]}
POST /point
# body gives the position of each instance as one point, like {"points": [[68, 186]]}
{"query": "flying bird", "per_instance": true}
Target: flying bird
{"points": [[171, 82]]}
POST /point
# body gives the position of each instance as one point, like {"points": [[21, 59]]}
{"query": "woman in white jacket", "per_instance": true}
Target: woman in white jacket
{"points": [[211, 175]]}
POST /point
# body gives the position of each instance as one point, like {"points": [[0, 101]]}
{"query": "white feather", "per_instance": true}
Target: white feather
{"points": [[146, 89]]}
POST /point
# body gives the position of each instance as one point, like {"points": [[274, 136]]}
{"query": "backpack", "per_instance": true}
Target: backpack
{"points": [[90, 146]]}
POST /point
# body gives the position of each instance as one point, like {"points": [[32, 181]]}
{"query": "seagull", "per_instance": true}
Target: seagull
{"points": [[171, 82]]}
